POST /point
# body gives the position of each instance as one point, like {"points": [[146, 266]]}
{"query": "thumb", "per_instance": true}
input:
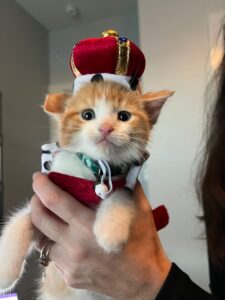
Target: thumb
{"points": [[141, 200], [143, 205], [159, 216]]}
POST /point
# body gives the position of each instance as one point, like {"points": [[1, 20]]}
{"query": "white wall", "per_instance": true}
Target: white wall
{"points": [[62, 42], [174, 36]]}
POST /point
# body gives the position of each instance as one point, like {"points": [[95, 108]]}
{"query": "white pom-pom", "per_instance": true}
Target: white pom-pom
{"points": [[101, 189]]}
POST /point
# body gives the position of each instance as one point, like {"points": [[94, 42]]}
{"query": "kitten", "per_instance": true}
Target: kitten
{"points": [[105, 121]]}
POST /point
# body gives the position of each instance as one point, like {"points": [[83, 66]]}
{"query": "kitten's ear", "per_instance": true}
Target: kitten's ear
{"points": [[153, 102], [55, 103]]}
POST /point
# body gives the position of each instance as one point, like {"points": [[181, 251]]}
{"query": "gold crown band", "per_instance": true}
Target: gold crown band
{"points": [[74, 68], [123, 56], [123, 51]]}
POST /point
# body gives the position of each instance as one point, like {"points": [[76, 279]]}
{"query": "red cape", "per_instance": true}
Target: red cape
{"points": [[83, 190]]}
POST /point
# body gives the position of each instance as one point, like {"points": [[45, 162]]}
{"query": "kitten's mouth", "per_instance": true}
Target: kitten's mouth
{"points": [[109, 141], [103, 142]]}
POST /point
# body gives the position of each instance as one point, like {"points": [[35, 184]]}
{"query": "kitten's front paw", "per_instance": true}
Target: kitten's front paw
{"points": [[110, 234], [113, 221]]}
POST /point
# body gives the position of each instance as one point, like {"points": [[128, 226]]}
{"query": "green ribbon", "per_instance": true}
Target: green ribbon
{"points": [[90, 164], [94, 167], [121, 170]]}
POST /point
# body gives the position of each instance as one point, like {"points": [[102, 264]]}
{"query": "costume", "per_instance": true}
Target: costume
{"points": [[84, 190], [109, 58]]}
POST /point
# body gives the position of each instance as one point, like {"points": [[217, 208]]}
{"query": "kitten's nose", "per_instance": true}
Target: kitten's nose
{"points": [[105, 129]]}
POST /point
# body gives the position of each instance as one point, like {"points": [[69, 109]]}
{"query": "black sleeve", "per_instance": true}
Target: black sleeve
{"points": [[217, 280], [179, 286]]}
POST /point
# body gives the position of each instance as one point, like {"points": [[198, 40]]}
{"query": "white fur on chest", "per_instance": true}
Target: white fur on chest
{"points": [[68, 163]]}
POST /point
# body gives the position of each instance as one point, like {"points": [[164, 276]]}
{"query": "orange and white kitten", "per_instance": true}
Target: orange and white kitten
{"points": [[103, 120]]}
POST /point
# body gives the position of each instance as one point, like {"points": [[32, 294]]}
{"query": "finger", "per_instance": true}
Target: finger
{"points": [[39, 239], [59, 202], [58, 255], [72, 267], [52, 254], [45, 221]]}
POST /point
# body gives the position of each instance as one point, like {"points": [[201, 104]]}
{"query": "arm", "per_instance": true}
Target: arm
{"points": [[137, 272]]}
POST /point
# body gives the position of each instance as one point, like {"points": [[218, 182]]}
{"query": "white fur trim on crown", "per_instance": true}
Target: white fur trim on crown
{"points": [[83, 79]]}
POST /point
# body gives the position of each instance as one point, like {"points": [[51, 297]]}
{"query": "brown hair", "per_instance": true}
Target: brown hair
{"points": [[211, 182]]}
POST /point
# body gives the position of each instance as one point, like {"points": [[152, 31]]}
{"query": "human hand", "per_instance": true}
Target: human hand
{"points": [[136, 272]]}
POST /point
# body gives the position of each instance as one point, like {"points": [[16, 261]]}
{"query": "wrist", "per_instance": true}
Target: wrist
{"points": [[158, 277], [153, 284]]}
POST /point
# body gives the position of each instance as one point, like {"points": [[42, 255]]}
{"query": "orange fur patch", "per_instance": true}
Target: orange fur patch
{"points": [[55, 103], [118, 97]]}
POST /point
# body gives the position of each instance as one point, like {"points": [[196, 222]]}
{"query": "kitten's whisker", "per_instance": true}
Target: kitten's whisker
{"points": [[136, 149], [141, 147], [137, 139], [127, 152]]}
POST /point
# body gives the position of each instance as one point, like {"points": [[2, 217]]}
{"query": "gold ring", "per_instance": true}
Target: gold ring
{"points": [[44, 255]]}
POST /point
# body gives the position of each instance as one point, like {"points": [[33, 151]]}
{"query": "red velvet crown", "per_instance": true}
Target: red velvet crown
{"points": [[108, 54]]}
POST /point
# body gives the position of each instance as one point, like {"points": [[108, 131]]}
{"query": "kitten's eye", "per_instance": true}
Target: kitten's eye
{"points": [[88, 114], [124, 116]]}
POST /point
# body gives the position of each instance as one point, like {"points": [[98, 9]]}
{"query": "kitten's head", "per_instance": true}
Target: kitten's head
{"points": [[105, 120]]}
